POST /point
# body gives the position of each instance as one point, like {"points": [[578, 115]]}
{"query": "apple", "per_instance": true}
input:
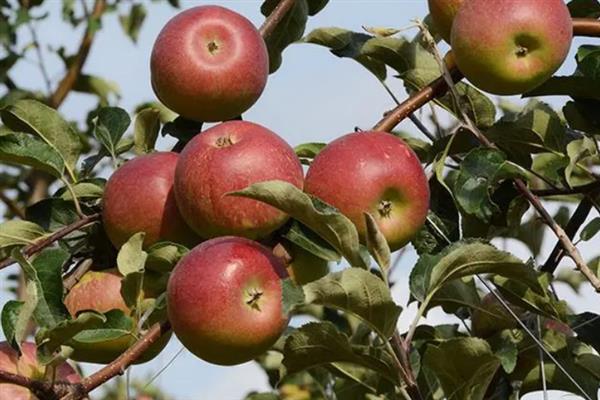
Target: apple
{"points": [[224, 300], [373, 172], [209, 64], [28, 366], [511, 46], [492, 317], [442, 13], [100, 291], [302, 265], [226, 158], [139, 197]]}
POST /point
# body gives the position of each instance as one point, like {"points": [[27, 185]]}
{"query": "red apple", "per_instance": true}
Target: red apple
{"points": [[224, 300], [373, 172], [139, 197], [28, 366], [226, 158], [511, 46], [442, 13], [302, 265], [209, 64], [100, 291]]}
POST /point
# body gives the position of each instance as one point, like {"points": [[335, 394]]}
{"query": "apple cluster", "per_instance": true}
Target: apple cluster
{"points": [[505, 47]]}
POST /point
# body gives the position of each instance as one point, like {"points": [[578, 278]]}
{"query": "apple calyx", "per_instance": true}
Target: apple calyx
{"points": [[213, 47], [254, 297], [224, 141], [385, 208]]}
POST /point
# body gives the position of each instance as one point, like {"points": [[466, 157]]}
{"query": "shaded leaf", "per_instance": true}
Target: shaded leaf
{"points": [[145, 131], [109, 127], [19, 233], [10, 315], [23, 149], [377, 245]]}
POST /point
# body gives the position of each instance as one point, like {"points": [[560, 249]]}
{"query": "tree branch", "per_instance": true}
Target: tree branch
{"points": [[583, 189], [11, 205], [70, 78], [41, 389], [276, 16], [59, 234], [586, 27]]}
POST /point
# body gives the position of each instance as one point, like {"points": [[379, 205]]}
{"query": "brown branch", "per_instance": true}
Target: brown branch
{"points": [[12, 206], [41, 389], [275, 18], [67, 83], [59, 234], [583, 189], [75, 276], [119, 366], [408, 376], [586, 27]]}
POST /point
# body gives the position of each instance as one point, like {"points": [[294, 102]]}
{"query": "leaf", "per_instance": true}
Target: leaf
{"points": [[466, 258], [117, 325], [480, 173], [33, 117], [579, 87], [19, 233], [23, 149], [308, 151], [84, 190], [587, 326], [109, 127], [163, 256], [453, 363], [145, 131], [51, 213], [358, 292], [590, 230], [377, 245], [584, 8], [132, 23], [311, 242], [316, 344], [292, 295], [26, 311], [131, 257], [10, 315], [98, 86], [580, 150], [379, 31], [320, 217]]}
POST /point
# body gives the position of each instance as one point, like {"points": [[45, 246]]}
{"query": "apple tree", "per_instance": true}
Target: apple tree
{"points": [[224, 239]]}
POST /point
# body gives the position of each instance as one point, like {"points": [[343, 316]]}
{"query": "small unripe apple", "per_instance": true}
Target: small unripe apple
{"points": [[443, 12], [373, 172], [511, 46], [28, 366], [224, 300], [302, 265], [209, 64], [139, 197], [100, 291], [226, 158]]}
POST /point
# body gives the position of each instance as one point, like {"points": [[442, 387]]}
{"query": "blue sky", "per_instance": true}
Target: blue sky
{"points": [[313, 97]]}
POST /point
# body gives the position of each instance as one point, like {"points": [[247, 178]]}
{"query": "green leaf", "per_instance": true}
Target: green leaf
{"points": [[480, 173], [19, 233], [145, 131], [316, 344], [579, 151], [99, 87], [36, 118], [51, 213], [292, 295], [10, 315], [579, 87], [465, 367], [26, 311], [23, 149], [466, 258], [587, 326], [109, 127], [377, 245], [590, 230], [584, 8], [308, 151], [320, 217], [132, 23], [360, 293], [311, 242], [117, 325], [131, 257], [163, 256], [84, 190]]}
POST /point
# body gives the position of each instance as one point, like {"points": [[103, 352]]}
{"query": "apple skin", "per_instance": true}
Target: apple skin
{"points": [[302, 266], [373, 172], [443, 12], [209, 64], [529, 40], [100, 291], [139, 197], [28, 366], [224, 300], [227, 158]]}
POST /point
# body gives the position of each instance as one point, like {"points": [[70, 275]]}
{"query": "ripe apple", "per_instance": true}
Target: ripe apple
{"points": [[139, 197], [209, 64], [443, 12], [511, 46], [302, 265], [226, 158], [28, 366], [101, 291], [224, 300], [373, 172]]}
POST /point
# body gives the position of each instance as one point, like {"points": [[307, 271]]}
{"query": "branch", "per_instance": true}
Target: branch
{"points": [[41, 389], [59, 234], [70, 78], [12, 206], [586, 27], [276, 16], [75, 276], [583, 189], [118, 366]]}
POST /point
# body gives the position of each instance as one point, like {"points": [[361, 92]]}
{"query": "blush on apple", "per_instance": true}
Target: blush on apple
{"points": [[443, 12]]}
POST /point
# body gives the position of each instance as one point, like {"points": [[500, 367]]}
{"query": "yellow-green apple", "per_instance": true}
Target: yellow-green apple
{"points": [[443, 12], [100, 291], [209, 64], [226, 158], [139, 197], [224, 300], [302, 265], [373, 172], [28, 366], [511, 46]]}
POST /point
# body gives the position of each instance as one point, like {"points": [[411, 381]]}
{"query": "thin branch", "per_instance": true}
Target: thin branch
{"points": [[59, 234], [70, 78], [586, 27], [40, 57], [583, 189], [41, 389], [275, 18], [12, 206], [75, 276]]}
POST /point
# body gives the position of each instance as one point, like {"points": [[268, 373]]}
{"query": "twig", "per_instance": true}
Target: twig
{"points": [[586, 27], [41, 389], [275, 18], [70, 78], [40, 56], [75, 276], [583, 189], [12, 205], [59, 234]]}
